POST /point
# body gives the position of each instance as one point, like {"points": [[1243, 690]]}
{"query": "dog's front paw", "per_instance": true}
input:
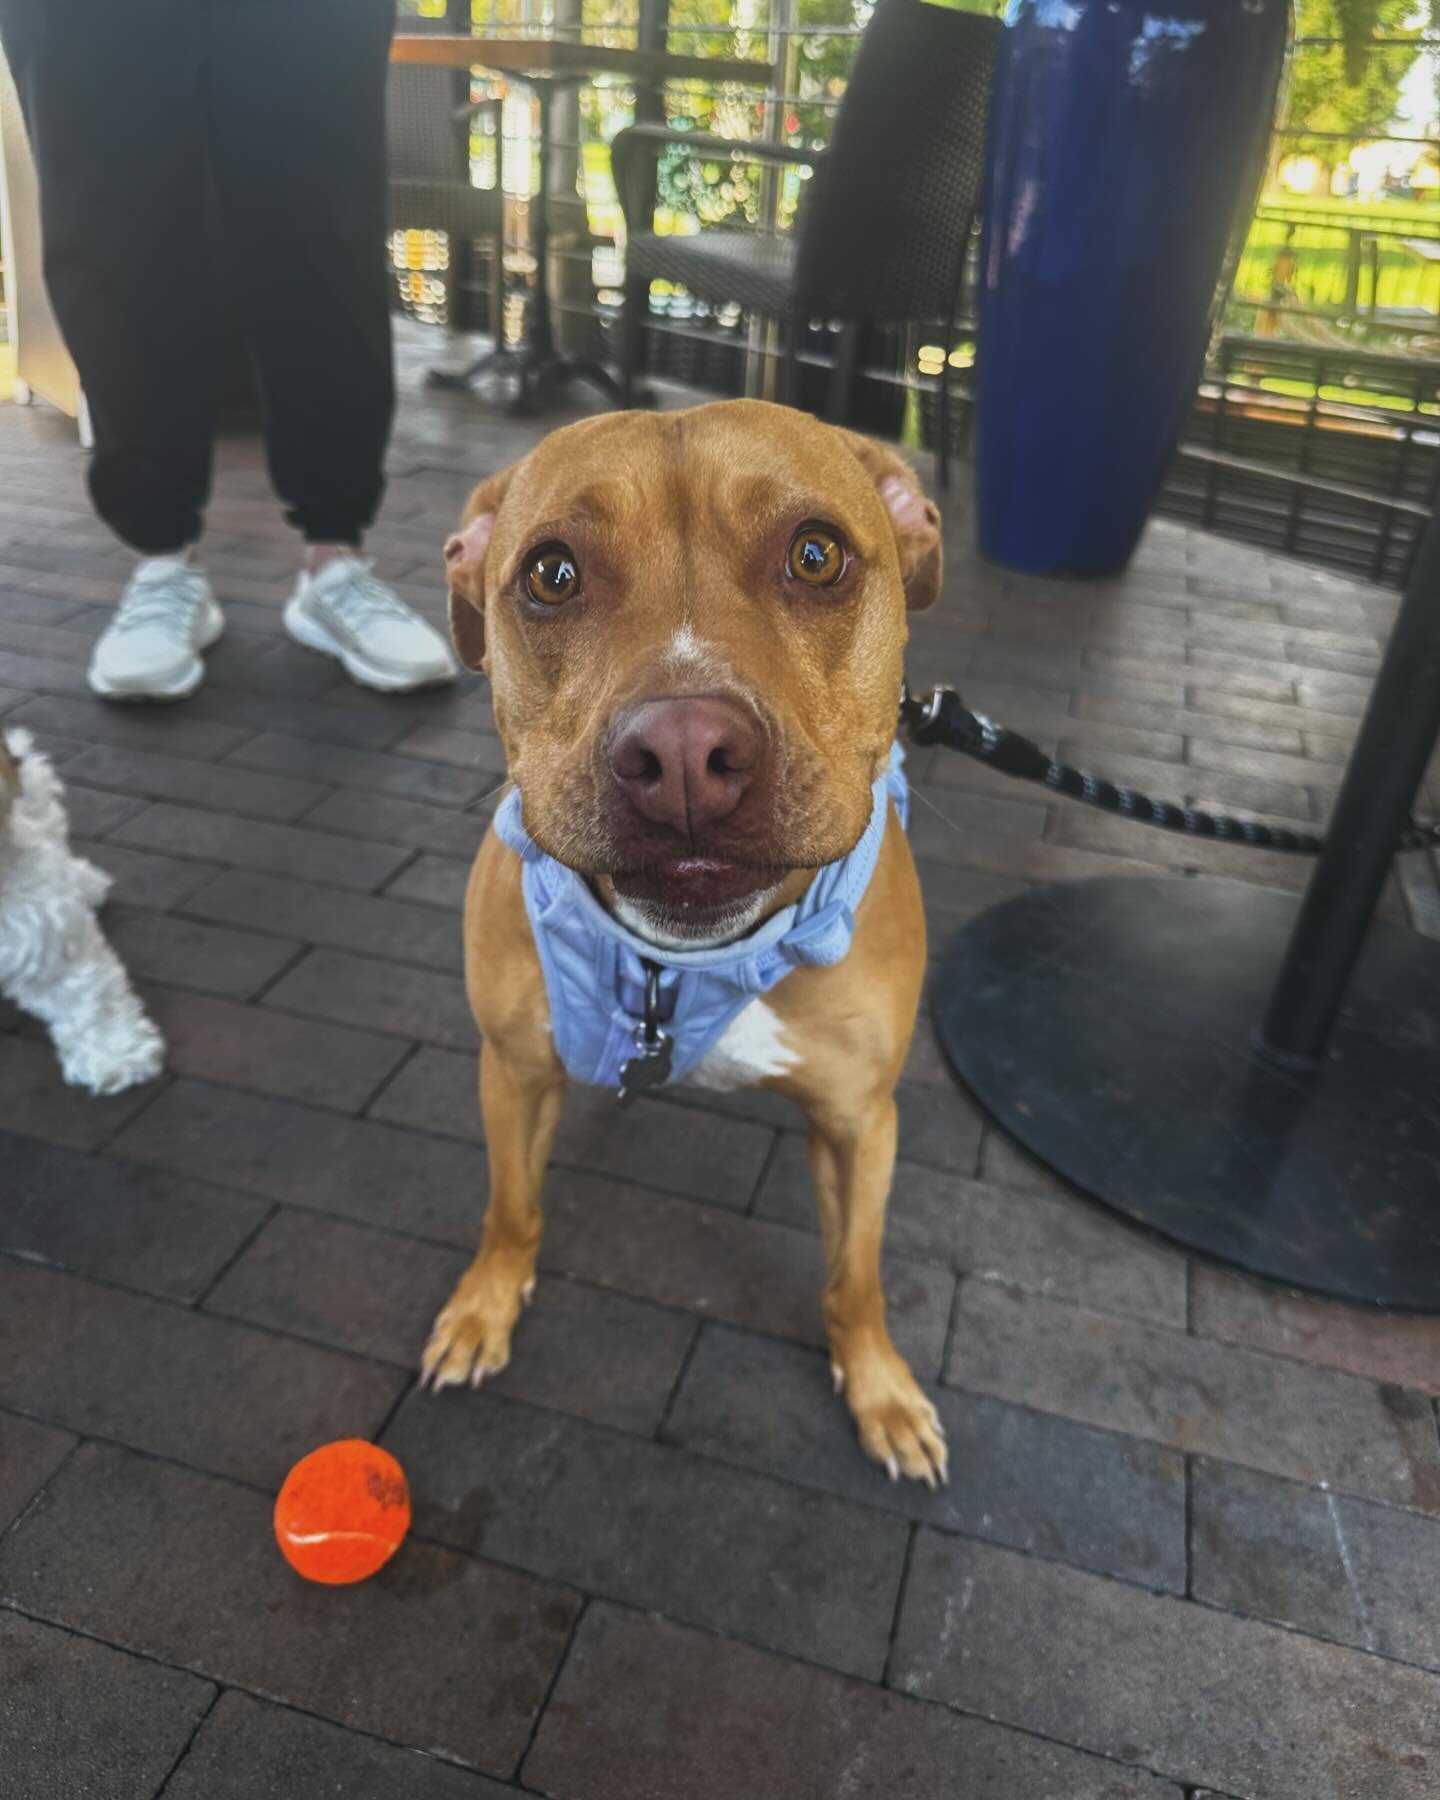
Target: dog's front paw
{"points": [[114, 1053], [470, 1338], [898, 1426]]}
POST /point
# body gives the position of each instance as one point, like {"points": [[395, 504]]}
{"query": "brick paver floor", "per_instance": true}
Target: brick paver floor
{"points": [[1191, 1538]]}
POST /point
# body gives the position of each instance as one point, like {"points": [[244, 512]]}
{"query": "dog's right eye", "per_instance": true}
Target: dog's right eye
{"points": [[816, 556], [552, 576]]}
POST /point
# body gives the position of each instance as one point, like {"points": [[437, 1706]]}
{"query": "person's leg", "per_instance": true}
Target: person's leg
{"points": [[299, 146], [298, 119], [113, 104]]}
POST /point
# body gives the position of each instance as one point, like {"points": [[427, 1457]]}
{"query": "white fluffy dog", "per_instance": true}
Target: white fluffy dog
{"points": [[54, 959]]}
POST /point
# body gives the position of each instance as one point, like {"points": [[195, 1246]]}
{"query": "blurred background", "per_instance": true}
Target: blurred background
{"points": [[1326, 358]]}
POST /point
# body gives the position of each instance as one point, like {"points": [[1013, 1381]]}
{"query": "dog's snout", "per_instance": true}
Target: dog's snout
{"points": [[686, 762]]}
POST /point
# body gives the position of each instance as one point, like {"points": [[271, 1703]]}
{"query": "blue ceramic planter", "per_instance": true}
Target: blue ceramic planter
{"points": [[1125, 139]]}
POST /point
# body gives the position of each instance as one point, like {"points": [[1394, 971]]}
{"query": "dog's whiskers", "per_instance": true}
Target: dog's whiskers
{"points": [[944, 818], [499, 787]]}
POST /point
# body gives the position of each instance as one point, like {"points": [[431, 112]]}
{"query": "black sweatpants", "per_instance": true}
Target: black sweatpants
{"points": [[155, 122]]}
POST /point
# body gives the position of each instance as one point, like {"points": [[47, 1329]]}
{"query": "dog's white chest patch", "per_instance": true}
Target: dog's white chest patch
{"points": [[752, 1048]]}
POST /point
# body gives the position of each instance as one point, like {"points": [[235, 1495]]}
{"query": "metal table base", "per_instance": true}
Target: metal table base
{"points": [[540, 370], [1258, 1079], [1111, 1026]]}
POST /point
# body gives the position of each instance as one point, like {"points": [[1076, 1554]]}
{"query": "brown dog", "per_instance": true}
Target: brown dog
{"points": [[694, 625]]}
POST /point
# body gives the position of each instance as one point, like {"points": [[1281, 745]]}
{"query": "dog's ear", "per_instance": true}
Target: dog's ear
{"points": [[465, 568], [916, 520]]}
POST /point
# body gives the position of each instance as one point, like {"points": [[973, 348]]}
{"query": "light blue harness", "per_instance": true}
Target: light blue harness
{"points": [[595, 970]]}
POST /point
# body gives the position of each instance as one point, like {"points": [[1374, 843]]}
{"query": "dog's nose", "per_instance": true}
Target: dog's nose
{"points": [[686, 763]]}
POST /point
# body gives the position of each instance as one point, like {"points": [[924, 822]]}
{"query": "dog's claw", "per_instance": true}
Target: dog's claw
{"points": [[898, 1424], [470, 1340], [837, 1375]]}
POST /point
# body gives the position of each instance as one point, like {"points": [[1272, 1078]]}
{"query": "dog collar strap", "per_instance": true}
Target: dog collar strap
{"points": [[596, 969]]}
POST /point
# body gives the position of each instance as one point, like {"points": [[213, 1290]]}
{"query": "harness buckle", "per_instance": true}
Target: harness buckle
{"points": [[650, 1066]]}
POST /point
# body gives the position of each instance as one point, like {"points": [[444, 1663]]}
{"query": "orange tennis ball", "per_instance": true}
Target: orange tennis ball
{"points": [[343, 1512]]}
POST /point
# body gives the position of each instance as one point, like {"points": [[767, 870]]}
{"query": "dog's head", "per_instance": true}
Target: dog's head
{"points": [[694, 626]]}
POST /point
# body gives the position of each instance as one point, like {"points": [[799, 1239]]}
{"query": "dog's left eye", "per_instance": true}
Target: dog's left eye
{"points": [[816, 556], [552, 576]]}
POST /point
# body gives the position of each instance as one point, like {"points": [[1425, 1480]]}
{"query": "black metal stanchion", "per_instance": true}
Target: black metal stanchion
{"points": [[542, 370], [1136, 1037], [1397, 737]]}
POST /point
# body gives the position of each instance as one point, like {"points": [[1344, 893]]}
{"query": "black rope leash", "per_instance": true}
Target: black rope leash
{"points": [[942, 717]]}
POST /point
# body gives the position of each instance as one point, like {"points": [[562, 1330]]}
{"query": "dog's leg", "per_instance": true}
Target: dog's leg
{"points": [[852, 1159], [105, 1040], [66, 975], [55, 961], [471, 1337]]}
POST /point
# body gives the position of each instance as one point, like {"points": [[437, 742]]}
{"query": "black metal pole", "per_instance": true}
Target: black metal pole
{"points": [[540, 340], [652, 33], [457, 22], [1397, 737]]}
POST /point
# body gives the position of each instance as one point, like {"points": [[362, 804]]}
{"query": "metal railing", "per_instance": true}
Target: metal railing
{"points": [[1344, 472], [1316, 430]]}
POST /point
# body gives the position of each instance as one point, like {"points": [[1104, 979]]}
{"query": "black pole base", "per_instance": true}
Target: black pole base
{"points": [[1112, 1027], [540, 376]]}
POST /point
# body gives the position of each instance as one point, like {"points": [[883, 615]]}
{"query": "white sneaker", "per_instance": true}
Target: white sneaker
{"points": [[347, 612], [151, 649]]}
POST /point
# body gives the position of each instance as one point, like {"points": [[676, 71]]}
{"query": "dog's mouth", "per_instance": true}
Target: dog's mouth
{"points": [[691, 886], [695, 901]]}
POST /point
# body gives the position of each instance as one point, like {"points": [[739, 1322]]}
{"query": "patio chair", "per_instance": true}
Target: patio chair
{"points": [[429, 187], [885, 223]]}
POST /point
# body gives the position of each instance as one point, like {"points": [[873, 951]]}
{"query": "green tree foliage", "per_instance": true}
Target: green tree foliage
{"points": [[1358, 21], [723, 192], [815, 65], [1352, 85], [816, 61], [1434, 22]]}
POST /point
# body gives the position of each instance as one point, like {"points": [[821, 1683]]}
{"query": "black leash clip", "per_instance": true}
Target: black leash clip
{"points": [[650, 1067], [942, 717], [920, 713]]}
